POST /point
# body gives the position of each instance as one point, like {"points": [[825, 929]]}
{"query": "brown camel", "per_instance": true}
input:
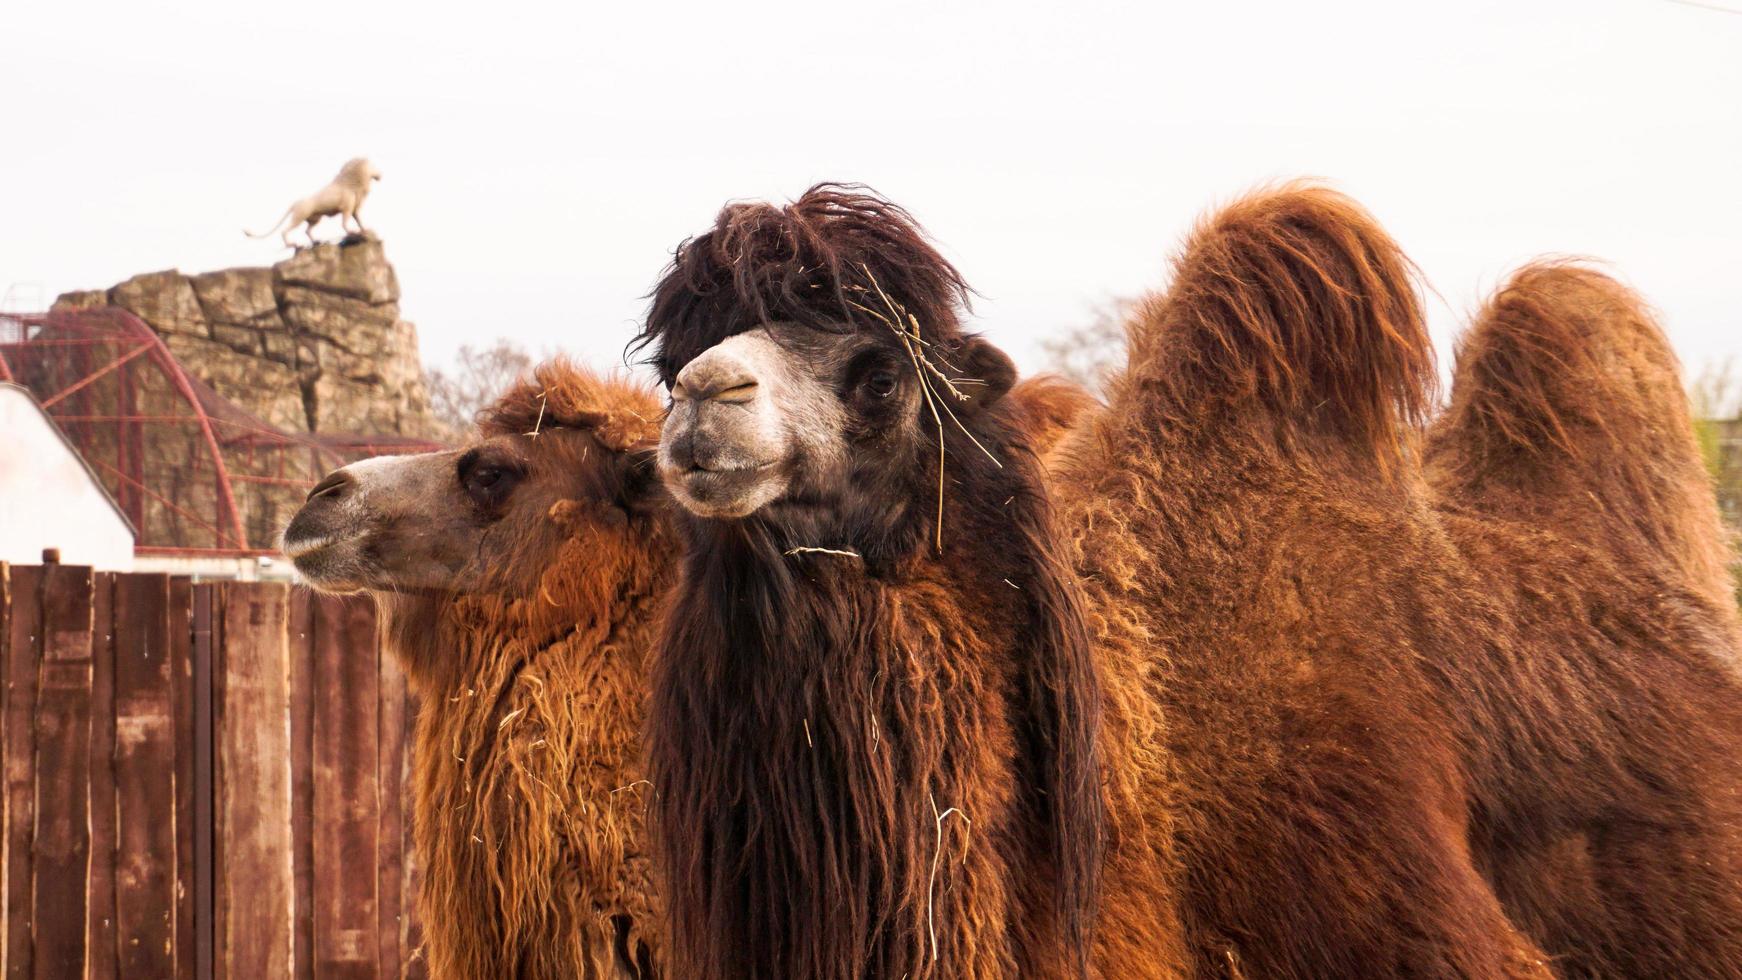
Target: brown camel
{"points": [[1258, 690], [519, 581]]}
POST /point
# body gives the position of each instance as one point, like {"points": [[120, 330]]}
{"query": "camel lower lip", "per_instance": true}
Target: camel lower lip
{"points": [[295, 550], [725, 493], [727, 471], [315, 568], [711, 483]]}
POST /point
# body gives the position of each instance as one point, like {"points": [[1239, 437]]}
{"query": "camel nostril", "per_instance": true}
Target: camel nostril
{"points": [[731, 388], [336, 483], [716, 376], [736, 394]]}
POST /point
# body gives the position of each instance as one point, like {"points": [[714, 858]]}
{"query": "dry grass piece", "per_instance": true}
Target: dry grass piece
{"points": [[906, 327]]}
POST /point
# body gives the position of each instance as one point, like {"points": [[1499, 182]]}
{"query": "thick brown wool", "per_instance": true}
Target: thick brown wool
{"points": [[529, 788], [1362, 721], [1297, 305], [1606, 761], [1541, 433]]}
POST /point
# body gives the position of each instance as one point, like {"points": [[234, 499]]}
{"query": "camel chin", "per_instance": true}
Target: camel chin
{"points": [[724, 494], [324, 564]]}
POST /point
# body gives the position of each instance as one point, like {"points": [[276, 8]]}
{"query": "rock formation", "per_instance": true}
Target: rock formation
{"points": [[312, 344]]}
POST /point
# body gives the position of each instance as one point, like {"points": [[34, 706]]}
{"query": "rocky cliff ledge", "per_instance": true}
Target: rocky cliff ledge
{"points": [[312, 344]]}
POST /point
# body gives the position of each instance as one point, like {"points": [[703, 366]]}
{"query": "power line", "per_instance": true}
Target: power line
{"points": [[1707, 6]]}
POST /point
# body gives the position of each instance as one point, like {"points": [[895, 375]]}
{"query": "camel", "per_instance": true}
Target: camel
{"points": [[343, 196], [519, 582], [1252, 690]]}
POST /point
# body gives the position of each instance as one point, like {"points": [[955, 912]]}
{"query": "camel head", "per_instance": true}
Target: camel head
{"points": [[563, 461], [806, 349]]}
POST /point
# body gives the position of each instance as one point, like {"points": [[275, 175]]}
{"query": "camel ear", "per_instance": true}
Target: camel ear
{"points": [[641, 490], [619, 431], [988, 373]]}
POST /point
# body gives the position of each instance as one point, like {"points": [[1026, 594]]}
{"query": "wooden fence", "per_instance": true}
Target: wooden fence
{"points": [[200, 781]]}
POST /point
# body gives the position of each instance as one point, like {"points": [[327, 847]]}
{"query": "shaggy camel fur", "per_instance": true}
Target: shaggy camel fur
{"points": [[1522, 661], [343, 196], [1602, 716], [519, 582], [533, 851], [1330, 723]]}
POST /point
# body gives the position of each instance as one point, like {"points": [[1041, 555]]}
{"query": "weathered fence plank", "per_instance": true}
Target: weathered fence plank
{"points": [[207, 625], [63, 763], [101, 906], [5, 683], [180, 622], [346, 797], [302, 788], [255, 883], [391, 837], [145, 746], [413, 964], [23, 648]]}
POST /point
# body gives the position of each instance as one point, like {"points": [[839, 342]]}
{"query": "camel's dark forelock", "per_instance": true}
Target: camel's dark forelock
{"points": [[808, 262]]}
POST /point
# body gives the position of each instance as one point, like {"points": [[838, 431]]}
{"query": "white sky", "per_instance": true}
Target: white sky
{"points": [[541, 161]]}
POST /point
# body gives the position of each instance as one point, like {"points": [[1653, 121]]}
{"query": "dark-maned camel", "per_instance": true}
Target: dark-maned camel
{"points": [[1245, 680]]}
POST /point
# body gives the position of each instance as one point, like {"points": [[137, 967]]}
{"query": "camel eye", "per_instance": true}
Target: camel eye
{"points": [[485, 481], [880, 383]]}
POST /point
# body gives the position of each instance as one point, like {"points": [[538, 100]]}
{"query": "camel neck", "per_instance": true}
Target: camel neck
{"points": [[889, 760]]}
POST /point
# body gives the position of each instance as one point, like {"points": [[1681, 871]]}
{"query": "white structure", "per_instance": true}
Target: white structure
{"points": [[49, 498], [211, 568]]}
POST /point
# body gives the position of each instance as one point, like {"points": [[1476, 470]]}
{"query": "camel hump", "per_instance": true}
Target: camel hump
{"points": [[1567, 392], [1049, 407], [1294, 302]]}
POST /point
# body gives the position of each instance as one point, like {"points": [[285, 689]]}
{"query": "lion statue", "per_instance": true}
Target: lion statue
{"points": [[343, 197]]}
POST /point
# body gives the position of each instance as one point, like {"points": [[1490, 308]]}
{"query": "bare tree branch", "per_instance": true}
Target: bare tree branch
{"points": [[476, 379], [1085, 354]]}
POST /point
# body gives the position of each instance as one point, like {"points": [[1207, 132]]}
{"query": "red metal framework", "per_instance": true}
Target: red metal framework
{"points": [[194, 473]]}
